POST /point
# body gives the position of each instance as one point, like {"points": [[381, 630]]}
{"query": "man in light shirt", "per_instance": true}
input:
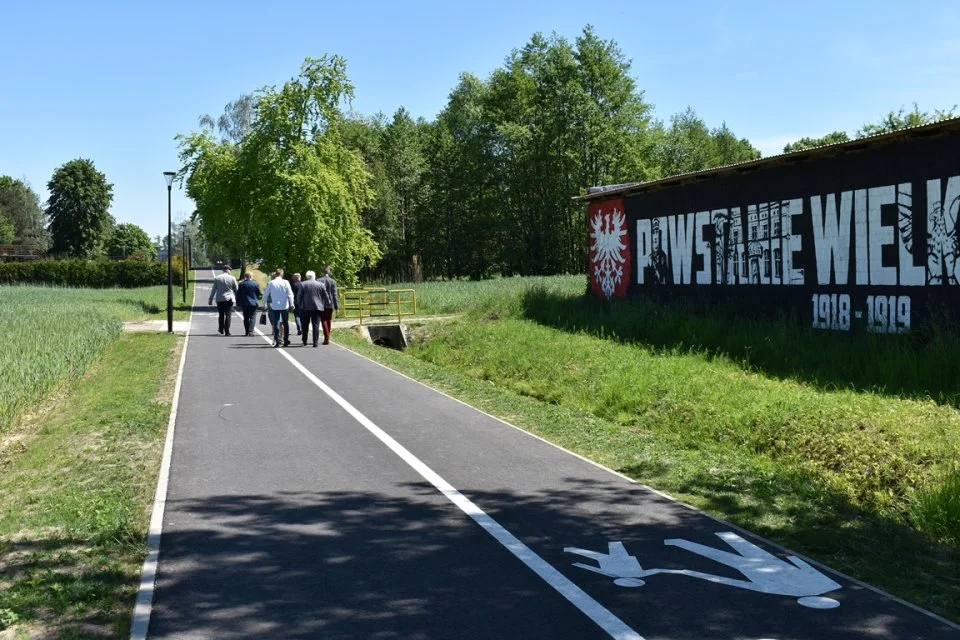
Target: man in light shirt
{"points": [[278, 301], [224, 291]]}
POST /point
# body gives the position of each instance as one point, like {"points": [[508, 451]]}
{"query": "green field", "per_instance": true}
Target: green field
{"points": [[845, 449], [55, 334], [82, 414]]}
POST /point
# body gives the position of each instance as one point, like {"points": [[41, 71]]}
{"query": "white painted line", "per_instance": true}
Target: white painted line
{"points": [[140, 622], [600, 615], [667, 496]]}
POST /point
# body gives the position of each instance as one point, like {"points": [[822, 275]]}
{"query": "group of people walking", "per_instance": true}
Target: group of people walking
{"points": [[312, 302]]}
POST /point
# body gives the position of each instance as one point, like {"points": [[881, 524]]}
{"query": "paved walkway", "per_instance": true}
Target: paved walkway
{"points": [[316, 494], [155, 326]]}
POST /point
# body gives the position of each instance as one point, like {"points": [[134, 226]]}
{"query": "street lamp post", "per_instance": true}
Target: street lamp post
{"points": [[168, 176], [183, 254]]}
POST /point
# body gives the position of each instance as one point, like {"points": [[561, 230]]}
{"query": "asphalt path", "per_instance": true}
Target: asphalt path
{"points": [[316, 494]]}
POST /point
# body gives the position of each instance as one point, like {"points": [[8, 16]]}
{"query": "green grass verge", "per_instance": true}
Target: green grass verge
{"points": [[922, 364], [75, 492], [846, 476]]}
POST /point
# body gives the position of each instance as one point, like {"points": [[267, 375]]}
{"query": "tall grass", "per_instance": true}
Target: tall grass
{"points": [[54, 334], [935, 508], [454, 296], [922, 364]]}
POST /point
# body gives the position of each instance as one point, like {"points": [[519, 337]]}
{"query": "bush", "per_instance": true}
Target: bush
{"points": [[177, 263], [93, 274]]}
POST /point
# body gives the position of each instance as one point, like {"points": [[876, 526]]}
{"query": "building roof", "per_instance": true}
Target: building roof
{"points": [[830, 150]]}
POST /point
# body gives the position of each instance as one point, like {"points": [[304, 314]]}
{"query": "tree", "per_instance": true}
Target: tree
{"points": [[686, 146], [728, 149], [218, 188], [236, 120], [402, 150], [290, 188], [809, 143], [615, 142], [902, 119], [561, 118], [462, 231], [6, 229], [365, 135], [78, 209], [128, 238], [893, 121], [21, 207]]}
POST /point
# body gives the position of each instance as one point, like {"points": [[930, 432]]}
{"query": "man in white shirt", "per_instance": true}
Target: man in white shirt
{"points": [[224, 291], [278, 301]]}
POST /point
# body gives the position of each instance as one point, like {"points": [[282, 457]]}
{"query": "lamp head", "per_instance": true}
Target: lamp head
{"points": [[169, 176]]}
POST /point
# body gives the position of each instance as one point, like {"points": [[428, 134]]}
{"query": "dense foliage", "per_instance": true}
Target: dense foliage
{"points": [[893, 121], [810, 143], [127, 240], [486, 188], [6, 229], [79, 209], [21, 218], [289, 192], [95, 274]]}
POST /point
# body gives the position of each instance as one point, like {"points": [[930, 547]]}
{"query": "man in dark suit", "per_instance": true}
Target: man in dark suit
{"points": [[248, 296], [310, 302], [295, 286], [332, 304]]}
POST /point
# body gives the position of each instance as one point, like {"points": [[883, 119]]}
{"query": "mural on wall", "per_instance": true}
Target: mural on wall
{"points": [[943, 253], [609, 249], [851, 253]]}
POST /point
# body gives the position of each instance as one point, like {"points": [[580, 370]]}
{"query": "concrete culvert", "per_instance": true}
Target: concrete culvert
{"points": [[392, 336]]}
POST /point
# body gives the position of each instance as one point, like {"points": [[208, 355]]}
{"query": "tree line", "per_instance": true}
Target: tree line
{"points": [[893, 121], [76, 221], [484, 189], [288, 177]]}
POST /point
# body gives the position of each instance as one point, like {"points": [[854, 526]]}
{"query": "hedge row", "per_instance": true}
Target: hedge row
{"points": [[94, 274]]}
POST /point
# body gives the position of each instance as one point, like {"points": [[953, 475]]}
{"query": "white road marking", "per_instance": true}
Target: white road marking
{"points": [[140, 621], [764, 572], [667, 496], [599, 614]]}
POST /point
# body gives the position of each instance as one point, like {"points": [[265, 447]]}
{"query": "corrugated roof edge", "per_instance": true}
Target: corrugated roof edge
{"points": [[596, 193]]}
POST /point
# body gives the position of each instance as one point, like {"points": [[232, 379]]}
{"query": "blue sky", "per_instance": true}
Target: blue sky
{"points": [[116, 81]]}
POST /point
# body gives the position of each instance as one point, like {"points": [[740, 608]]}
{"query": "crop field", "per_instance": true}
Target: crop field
{"points": [[55, 334]]}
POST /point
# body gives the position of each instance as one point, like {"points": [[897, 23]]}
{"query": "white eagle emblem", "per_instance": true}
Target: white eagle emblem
{"points": [[607, 229]]}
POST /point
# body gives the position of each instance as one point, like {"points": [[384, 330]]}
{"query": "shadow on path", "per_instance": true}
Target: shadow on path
{"points": [[344, 564]]}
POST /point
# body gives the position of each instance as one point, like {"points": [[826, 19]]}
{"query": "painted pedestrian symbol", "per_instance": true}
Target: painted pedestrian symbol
{"points": [[764, 572]]}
